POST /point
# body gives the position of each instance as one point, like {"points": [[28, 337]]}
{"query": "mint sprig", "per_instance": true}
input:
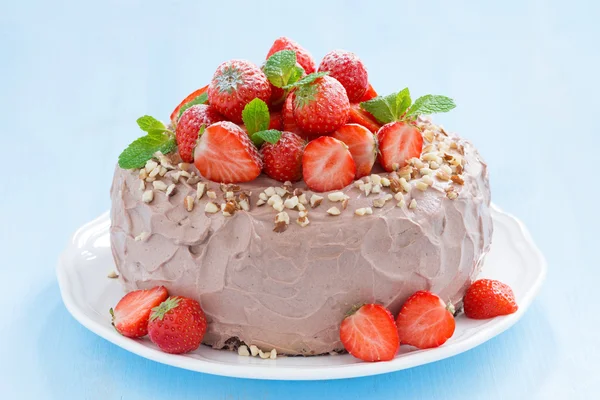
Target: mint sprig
{"points": [[399, 106], [200, 99], [308, 79], [158, 138], [270, 135], [256, 116], [280, 67]]}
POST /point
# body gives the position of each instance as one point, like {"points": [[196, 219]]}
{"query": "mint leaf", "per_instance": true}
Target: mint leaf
{"points": [[143, 149], [279, 67], [201, 99], [403, 101], [384, 109], [271, 136], [310, 78], [256, 116], [151, 125], [430, 104], [296, 74]]}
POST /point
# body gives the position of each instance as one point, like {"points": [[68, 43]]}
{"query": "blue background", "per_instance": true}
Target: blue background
{"points": [[74, 76]]}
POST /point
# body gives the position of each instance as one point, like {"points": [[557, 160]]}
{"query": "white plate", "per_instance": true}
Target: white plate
{"points": [[88, 294]]}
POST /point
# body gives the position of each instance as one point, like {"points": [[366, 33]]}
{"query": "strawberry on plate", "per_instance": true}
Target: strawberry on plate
{"points": [[321, 107], [362, 117], [226, 154], [130, 315], [398, 142], [487, 298], [235, 84], [362, 145], [349, 70], [370, 93], [190, 97], [424, 321], [327, 164], [188, 127], [302, 55], [369, 333], [177, 325], [283, 160]]}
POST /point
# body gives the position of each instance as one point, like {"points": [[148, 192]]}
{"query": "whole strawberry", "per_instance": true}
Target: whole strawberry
{"points": [[235, 84], [347, 68], [369, 333], [283, 160], [226, 154], [321, 107], [302, 55], [130, 315], [189, 125], [487, 298], [287, 116], [424, 321], [177, 325]]}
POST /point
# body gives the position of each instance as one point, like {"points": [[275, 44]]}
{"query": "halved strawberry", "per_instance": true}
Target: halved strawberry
{"points": [[190, 97], [369, 94], [398, 142], [424, 321], [362, 145], [362, 117], [370, 333], [225, 154], [327, 165], [131, 314], [487, 298]]}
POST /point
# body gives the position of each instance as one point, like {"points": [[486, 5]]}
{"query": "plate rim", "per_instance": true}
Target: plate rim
{"points": [[274, 372]]}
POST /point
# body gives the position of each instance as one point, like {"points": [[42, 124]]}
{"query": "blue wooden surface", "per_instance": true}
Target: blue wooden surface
{"points": [[74, 76]]}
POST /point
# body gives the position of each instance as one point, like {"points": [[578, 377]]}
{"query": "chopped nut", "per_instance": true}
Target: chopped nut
{"points": [[442, 175], [428, 135], [243, 351], [254, 350], [143, 174], [446, 168], [358, 183], [297, 192], [211, 194], [193, 180], [260, 202], [142, 186], [336, 196], [399, 196], [452, 195], [395, 166], [379, 202], [200, 189], [395, 185], [278, 206], [421, 186], [154, 172], [459, 169], [303, 213], [434, 165], [159, 185], [188, 202], [263, 196], [428, 148], [334, 211], [273, 354], [360, 211], [244, 204], [405, 185], [211, 208], [428, 180], [150, 166], [112, 274], [302, 199], [162, 170], [300, 207], [287, 183], [376, 179], [376, 189], [368, 188], [183, 166], [229, 208], [345, 203], [425, 171], [148, 196], [457, 179], [413, 204], [150, 179], [387, 197], [264, 356], [291, 203], [281, 191], [185, 174], [270, 191], [171, 190], [175, 177], [385, 182], [142, 237], [274, 199], [453, 145], [432, 156], [406, 172], [449, 188], [229, 195], [280, 226], [302, 221], [401, 203], [315, 200]]}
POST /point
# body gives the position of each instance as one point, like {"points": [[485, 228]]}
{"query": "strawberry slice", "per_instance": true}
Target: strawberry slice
{"points": [[327, 165], [191, 96], [369, 94], [370, 333], [362, 117], [424, 321], [225, 154], [398, 142], [362, 145], [131, 314], [487, 298]]}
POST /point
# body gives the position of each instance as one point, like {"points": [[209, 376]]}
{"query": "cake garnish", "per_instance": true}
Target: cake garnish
{"points": [[487, 298], [327, 165], [349, 70], [158, 138], [196, 97], [130, 315]]}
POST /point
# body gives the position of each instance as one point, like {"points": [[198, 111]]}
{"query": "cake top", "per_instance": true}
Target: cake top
{"points": [[325, 128]]}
